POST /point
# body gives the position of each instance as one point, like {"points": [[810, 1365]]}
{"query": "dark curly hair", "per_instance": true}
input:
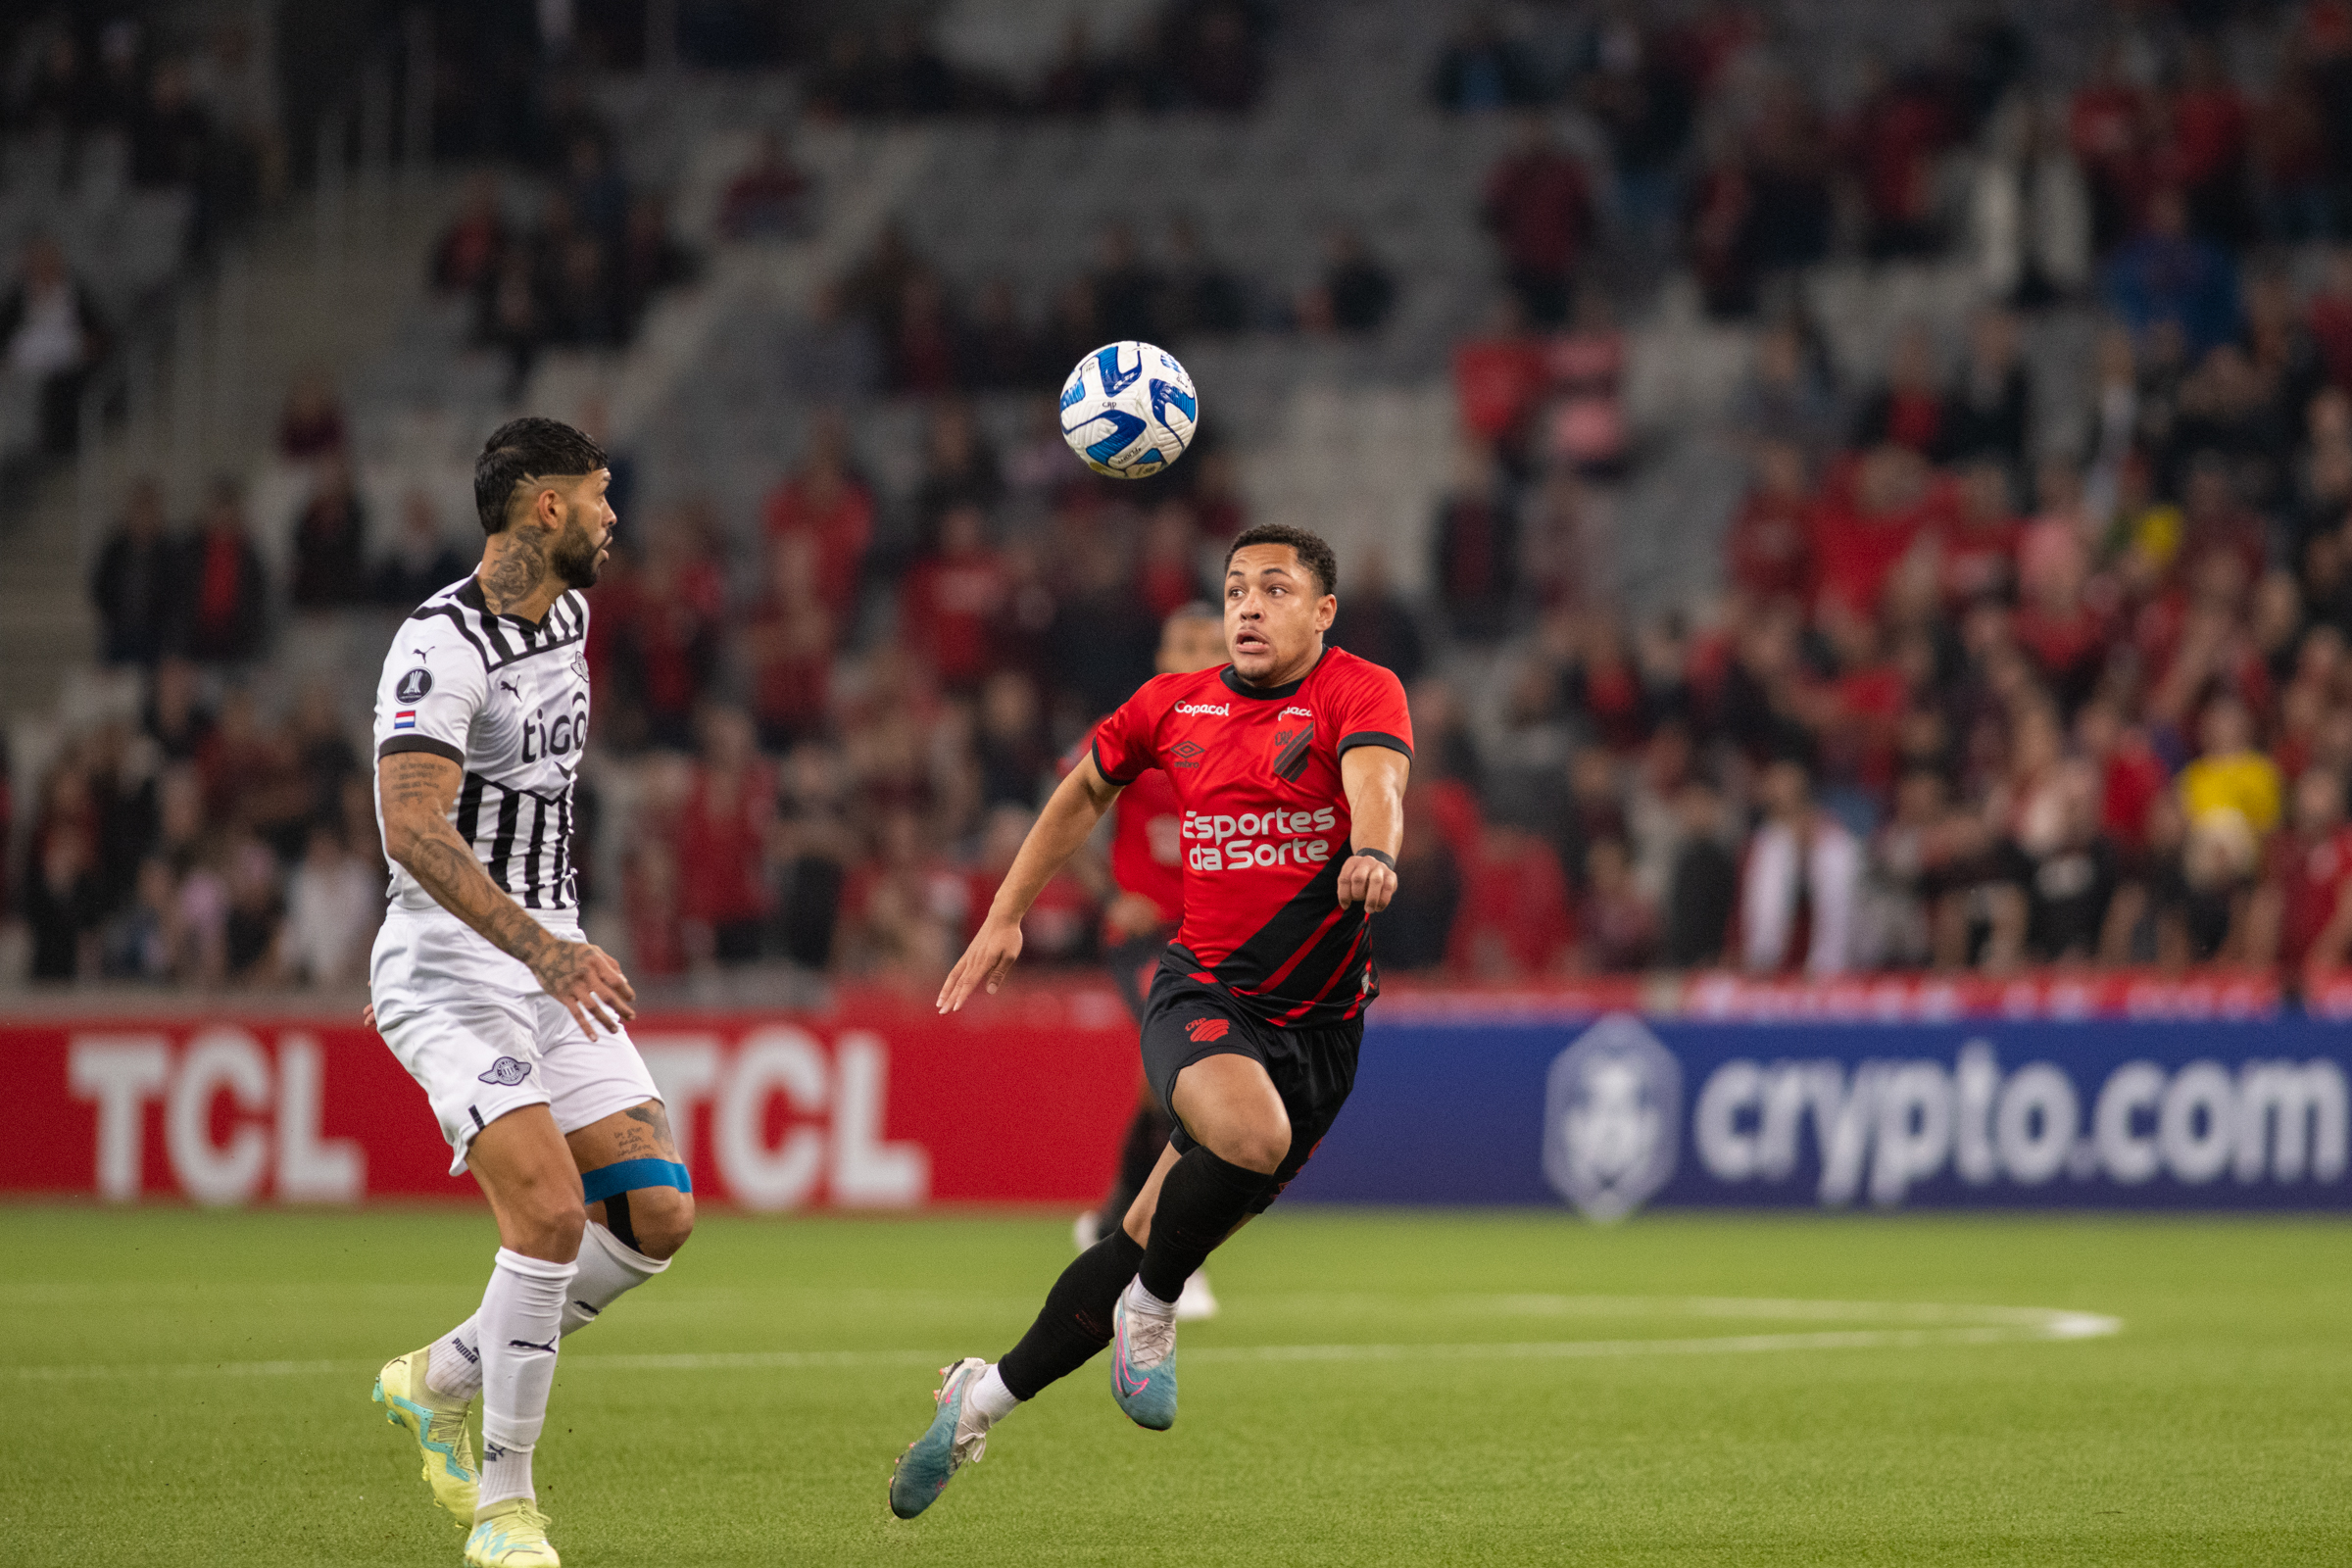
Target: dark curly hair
{"points": [[529, 447], [1313, 552]]}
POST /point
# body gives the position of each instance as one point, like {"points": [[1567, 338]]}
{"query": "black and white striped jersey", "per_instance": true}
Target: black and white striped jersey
{"points": [[505, 700]]}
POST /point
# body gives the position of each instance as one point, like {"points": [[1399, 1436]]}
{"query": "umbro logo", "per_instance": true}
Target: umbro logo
{"points": [[1186, 753]]}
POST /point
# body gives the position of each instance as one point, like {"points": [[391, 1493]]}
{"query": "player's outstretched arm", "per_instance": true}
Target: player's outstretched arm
{"points": [[1068, 818], [416, 789], [1374, 779]]}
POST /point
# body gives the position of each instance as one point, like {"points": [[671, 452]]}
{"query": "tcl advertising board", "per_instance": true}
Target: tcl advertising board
{"points": [[874, 1104]]}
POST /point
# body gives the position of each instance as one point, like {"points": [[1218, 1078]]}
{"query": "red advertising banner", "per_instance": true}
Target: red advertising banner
{"points": [[876, 1104]]}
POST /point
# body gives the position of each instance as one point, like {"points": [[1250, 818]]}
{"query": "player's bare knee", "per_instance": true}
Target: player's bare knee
{"points": [[664, 1219], [1255, 1144], [548, 1223]]}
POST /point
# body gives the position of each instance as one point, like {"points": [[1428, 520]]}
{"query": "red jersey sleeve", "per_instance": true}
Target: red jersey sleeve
{"points": [[1370, 711], [1127, 743]]}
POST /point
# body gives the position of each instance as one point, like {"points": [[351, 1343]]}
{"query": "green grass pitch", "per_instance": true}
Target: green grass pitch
{"points": [[1519, 1412]]}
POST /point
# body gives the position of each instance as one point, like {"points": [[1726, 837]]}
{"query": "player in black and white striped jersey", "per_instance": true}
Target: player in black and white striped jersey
{"points": [[484, 987]]}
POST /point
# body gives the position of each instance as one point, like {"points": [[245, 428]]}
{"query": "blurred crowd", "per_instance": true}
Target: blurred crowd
{"points": [[1980, 690], [580, 273], [166, 108], [894, 323], [1185, 54]]}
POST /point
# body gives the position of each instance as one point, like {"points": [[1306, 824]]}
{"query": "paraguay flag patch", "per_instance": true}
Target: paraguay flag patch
{"points": [[405, 718]]}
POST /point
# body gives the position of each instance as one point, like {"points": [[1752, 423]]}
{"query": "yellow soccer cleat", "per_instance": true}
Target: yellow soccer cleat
{"points": [[510, 1535], [438, 1424]]}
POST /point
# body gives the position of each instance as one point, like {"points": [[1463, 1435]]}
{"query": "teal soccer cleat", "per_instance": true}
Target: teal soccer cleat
{"points": [[947, 1446], [1142, 1365]]}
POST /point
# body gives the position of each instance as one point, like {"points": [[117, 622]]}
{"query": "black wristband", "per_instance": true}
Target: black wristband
{"points": [[1382, 855]]}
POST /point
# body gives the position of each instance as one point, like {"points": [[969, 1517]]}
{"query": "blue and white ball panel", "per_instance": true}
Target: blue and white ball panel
{"points": [[1128, 410]]}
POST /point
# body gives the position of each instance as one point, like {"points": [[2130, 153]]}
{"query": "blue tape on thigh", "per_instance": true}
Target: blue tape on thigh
{"points": [[627, 1176]]}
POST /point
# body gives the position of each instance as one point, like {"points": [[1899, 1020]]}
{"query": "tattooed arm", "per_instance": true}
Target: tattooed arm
{"points": [[417, 788]]}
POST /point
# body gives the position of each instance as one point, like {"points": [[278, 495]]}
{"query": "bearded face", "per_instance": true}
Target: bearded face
{"points": [[579, 550]]}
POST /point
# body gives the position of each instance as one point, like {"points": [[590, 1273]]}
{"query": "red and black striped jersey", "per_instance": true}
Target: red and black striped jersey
{"points": [[1264, 823]]}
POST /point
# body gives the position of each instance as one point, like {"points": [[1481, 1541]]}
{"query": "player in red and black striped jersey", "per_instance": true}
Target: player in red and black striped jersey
{"points": [[1289, 764], [1147, 875]]}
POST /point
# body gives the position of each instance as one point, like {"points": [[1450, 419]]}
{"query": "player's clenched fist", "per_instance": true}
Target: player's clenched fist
{"points": [[584, 978], [987, 962], [1367, 880]]}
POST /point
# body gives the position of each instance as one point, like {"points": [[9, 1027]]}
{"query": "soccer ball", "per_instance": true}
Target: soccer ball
{"points": [[1128, 410]]}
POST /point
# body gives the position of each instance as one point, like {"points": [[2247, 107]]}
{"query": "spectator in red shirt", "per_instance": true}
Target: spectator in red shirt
{"points": [[1859, 539], [1771, 547], [2131, 777], [1538, 205], [1168, 571], [312, 422], [1902, 124], [2105, 127], [952, 600], [769, 199], [1619, 924], [787, 647], [225, 595], [926, 351], [2331, 317], [2300, 917], [1908, 411], [2206, 156], [1979, 553], [1515, 919], [721, 837], [826, 500], [665, 646], [470, 248]]}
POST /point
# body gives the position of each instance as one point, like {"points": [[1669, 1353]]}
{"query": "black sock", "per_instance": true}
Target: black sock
{"points": [[1146, 1136], [1076, 1320], [1199, 1204]]}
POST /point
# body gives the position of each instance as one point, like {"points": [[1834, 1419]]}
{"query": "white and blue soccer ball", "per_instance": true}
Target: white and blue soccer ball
{"points": [[1128, 410]]}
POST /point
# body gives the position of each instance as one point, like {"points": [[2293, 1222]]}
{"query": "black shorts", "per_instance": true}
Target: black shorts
{"points": [[1133, 964], [1313, 1069]]}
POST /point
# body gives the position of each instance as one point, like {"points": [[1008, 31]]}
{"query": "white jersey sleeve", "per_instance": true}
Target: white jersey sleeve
{"points": [[432, 692]]}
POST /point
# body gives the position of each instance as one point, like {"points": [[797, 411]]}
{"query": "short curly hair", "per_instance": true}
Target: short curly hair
{"points": [[529, 447], [1314, 553]]}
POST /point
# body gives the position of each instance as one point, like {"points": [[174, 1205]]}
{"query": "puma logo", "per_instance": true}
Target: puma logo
{"points": [[528, 1345]]}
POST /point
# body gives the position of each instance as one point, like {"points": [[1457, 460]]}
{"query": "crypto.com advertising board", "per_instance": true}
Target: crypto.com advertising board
{"points": [[1616, 1112], [874, 1104]]}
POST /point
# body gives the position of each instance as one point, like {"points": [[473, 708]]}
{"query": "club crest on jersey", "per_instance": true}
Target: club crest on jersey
{"points": [[1290, 750], [1186, 753], [413, 685], [1201, 1031], [507, 1072]]}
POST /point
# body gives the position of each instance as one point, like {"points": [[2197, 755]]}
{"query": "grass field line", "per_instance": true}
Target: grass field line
{"points": [[1924, 1324]]}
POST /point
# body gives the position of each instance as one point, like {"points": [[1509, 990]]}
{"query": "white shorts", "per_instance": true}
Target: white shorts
{"points": [[481, 1048]]}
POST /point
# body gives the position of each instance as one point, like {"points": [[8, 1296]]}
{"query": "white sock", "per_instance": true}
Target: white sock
{"points": [[1140, 1299], [609, 1267], [990, 1399], [522, 1322]]}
